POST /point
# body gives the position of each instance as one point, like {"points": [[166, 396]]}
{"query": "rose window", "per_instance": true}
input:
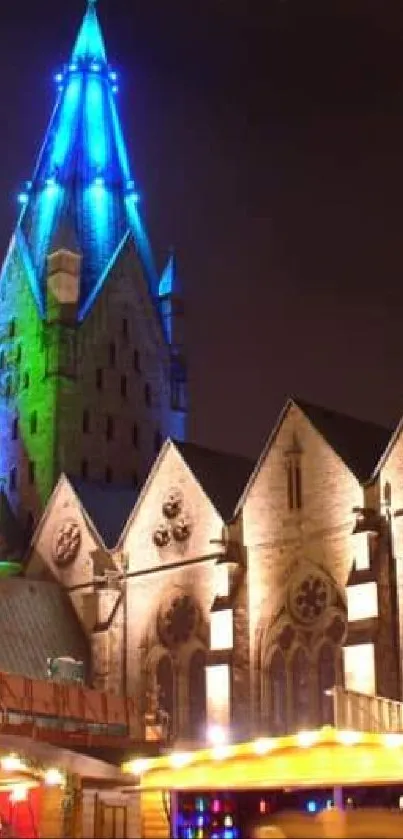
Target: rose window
{"points": [[66, 543], [175, 524], [309, 598], [179, 621]]}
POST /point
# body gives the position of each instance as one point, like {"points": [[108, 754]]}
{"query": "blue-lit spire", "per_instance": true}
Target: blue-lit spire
{"points": [[170, 281], [83, 172]]}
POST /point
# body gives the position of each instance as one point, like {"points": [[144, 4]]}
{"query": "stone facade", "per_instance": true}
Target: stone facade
{"points": [[312, 583]]}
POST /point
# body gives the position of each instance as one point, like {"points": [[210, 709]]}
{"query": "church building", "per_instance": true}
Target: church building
{"points": [[222, 594]]}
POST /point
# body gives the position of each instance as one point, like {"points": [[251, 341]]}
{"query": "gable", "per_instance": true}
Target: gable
{"points": [[223, 476]]}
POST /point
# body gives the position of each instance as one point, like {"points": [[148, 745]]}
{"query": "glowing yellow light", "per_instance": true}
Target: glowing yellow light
{"points": [[221, 752], [217, 735], [138, 766], [12, 763], [179, 759], [392, 741], [307, 738], [263, 745], [348, 738], [19, 793], [53, 778]]}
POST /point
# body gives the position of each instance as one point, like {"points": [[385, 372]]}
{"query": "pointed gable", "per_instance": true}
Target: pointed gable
{"points": [[83, 173]]}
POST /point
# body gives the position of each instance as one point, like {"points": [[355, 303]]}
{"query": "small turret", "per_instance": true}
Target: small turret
{"points": [[172, 311]]}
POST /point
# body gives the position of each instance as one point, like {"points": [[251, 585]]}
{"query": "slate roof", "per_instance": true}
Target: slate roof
{"points": [[108, 506], [359, 443], [223, 476], [37, 621]]}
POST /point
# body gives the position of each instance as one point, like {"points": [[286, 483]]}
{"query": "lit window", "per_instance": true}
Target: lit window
{"points": [[361, 548], [359, 668], [221, 579], [218, 695], [362, 601], [221, 630]]}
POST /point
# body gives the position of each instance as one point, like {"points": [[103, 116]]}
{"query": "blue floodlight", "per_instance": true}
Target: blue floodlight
{"points": [[113, 75], [58, 78], [23, 198], [73, 67]]}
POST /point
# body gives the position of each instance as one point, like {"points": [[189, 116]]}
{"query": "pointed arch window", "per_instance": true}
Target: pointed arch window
{"points": [[197, 701], [11, 329], [294, 475], [136, 361], [300, 683], [135, 434], [110, 428], [326, 681], [112, 354], [165, 685], [277, 693], [2, 360]]}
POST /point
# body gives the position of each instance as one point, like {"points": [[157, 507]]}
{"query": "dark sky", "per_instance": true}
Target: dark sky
{"points": [[267, 140]]}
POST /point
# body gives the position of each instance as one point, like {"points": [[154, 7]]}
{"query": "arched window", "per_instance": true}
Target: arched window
{"points": [[165, 685], [326, 681], [197, 695], [300, 689], [277, 694]]}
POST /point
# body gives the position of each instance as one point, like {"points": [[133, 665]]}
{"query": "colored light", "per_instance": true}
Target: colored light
{"points": [[115, 88], [12, 763], [95, 67], [307, 738], [19, 793], [217, 735], [180, 759], [53, 778], [263, 745], [216, 805], [311, 806], [113, 75], [59, 77], [73, 68], [22, 198], [50, 182], [138, 766], [99, 181], [392, 741], [348, 738]]}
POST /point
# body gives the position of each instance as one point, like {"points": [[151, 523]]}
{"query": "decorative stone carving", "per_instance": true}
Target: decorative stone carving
{"points": [[173, 504], [66, 542], [181, 529], [162, 536], [309, 597], [176, 522], [178, 622]]}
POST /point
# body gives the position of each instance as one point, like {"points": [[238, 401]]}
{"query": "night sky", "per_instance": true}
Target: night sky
{"points": [[267, 142]]}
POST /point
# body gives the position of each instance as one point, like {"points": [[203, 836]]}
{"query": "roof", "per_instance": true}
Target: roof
{"points": [[223, 476], [108, 506], [37, 621], [360, 444], [83, 174]]}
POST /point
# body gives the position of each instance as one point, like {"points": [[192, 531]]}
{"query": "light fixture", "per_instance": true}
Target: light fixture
{"points": [[12, 763], [95, 67], [307, 738], [221, 752], [348, 738], [113, 75], [73, 68], [50, 182], [115, 88], [180, 759], [99, 181], [217, 735], [58, 78], [19, 792], [263, 745], [138, 766], [22, 198], [393, 740], [53, 778]]}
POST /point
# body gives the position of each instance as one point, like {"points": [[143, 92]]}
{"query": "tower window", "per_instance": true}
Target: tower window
{"points": [[8, 388], [11, 329], [86, 421], [125, 328], [157, 441], [112, 354], [123, 386], [14, 429], [99, 378], [2, 360], [31, 471], [136, 361], [108, 475], [33, 422], [294, 483], [25, 380], [147, 394], [13, 479], [84, 469], [109, 428], [135, 435], [18, 354]]}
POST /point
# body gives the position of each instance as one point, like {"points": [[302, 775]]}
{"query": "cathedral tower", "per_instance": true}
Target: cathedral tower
{"points": [[92, 372]]}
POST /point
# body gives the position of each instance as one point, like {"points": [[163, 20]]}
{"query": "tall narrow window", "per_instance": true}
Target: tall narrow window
{"points": [[301, 689], [109, 428], [147, 394], [136, 361], [13, 479], [123, 386], [84, 469], [277, 694], [14, 429], [33, 422], [108, 475], [31, 472], [11, 329], [2, 360], [112, 354], [197, 704], [99, 378], [298, 484], [125, 328], [86, 421], [294, 483], [18, 354], [166, 691], [8, 388], [326, 681], [25, 380], [135, 435]]}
